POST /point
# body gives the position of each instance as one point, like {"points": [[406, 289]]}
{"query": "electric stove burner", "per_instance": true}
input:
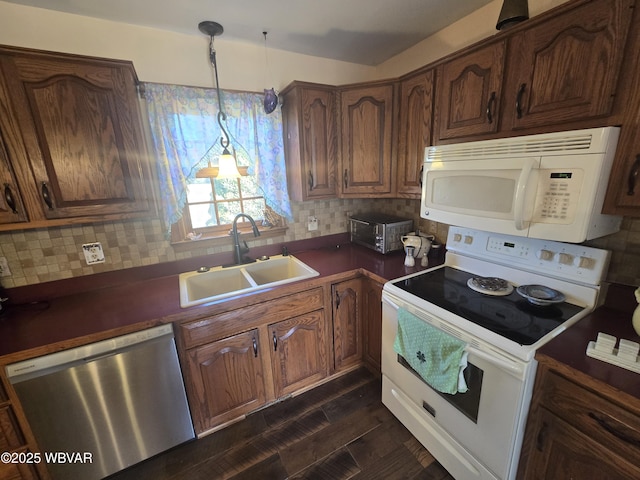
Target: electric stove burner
{"points": [[490, 285], [510, 316]]}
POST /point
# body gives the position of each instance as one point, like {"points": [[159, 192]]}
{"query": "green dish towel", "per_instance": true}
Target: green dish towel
{"points": [[438, 357]]}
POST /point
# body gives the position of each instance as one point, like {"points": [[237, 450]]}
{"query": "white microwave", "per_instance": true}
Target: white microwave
{"points": [[548, 186]]}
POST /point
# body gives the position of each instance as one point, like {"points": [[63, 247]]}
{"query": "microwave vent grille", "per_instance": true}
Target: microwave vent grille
{"points": [[533, 145]]}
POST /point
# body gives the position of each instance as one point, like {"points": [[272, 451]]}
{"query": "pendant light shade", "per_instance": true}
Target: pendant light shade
{"points": [[227, 165], [227, 168], [512, 12]]}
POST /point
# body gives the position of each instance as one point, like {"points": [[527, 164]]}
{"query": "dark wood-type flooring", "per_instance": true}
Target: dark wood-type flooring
{"points": [[339, 430]]}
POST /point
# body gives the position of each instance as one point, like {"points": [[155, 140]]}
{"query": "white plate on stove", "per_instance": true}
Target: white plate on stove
{"points": [[490, 286], [540, 295]]}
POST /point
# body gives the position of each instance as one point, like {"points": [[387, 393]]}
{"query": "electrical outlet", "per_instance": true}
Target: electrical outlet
{"points": [[312, 223], [93, 253], [4, 267]]}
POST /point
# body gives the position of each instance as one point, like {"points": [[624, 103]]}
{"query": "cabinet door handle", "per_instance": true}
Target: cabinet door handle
{"points": [[275, 342], [46, 196], [616, 432], [490, 106], [8, 196], [519, 100], [310, 180], [421, 173], [633, 176], [337, 299], [255, 347], [541, 437], [346, 178]]}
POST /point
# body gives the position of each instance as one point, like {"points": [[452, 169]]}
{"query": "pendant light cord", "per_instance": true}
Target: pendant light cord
{"points": [[224, 140], [267, 70]]}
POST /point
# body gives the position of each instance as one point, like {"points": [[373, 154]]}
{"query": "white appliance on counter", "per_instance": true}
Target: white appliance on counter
{"points": [[478, 434], [549, 186]]}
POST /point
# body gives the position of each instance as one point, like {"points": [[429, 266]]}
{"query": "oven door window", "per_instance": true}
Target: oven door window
{"points": [[467, 403]]}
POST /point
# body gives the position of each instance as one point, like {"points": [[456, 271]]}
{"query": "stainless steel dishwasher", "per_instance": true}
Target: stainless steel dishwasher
{"points": [[100, 408]]}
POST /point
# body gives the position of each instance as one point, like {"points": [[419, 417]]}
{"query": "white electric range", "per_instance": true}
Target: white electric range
{"points": [[478, 434]]}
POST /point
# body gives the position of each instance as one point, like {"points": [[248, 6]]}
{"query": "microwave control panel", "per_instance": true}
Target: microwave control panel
{"points": [[558, 196]]}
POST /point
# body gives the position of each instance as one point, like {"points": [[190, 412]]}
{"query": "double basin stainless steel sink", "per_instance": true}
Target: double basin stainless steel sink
{"points": [[217, 283]]}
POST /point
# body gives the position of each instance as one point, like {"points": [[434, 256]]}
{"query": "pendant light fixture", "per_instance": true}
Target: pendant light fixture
{"points": [[227, 166], [270, 96], [512, 12]]}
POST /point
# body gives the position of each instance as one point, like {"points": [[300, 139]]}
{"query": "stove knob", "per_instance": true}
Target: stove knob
{"points": [[545, 255], [457, 237], [565, 259], [584, 262], [468, 239]]}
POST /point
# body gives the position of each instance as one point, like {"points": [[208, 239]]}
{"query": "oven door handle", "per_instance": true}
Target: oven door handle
{"points": [[390, 302], [514, 369]]}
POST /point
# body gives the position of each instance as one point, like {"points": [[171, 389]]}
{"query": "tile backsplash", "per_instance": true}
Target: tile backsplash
{"points": [[43, 255]]}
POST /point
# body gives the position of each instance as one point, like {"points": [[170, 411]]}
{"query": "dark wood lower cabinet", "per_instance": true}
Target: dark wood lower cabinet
{"points": [[574, 431], [562, 451], [239, 360], [18, 471], [347, 330], [227, 379], [372, 324], [22, 462], [298, 352]]}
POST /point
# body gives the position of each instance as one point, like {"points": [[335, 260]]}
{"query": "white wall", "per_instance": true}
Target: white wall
{"points": [[166, 57], [469, 30]]}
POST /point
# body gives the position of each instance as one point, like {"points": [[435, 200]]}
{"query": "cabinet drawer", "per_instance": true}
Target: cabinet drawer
{"points": [[18, 471], [608, 424], [229, 323], [10, 435]]}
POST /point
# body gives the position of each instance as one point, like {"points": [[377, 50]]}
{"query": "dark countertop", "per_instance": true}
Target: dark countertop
{"points": [[614, 318], [63, 314], [59, 315]]}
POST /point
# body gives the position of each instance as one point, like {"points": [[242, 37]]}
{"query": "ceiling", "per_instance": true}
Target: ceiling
{"points": [[367, 32]]}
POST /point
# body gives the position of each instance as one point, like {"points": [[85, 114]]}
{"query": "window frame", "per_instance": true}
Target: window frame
{"points": [[219, 234]]}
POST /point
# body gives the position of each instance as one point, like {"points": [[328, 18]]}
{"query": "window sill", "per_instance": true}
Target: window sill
{"points": [[217, 240]]}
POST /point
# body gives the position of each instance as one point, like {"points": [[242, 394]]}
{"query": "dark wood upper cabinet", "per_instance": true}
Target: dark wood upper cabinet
{"points": [[558, 71], [470, 92], [567, 68], [367, 140], [414, 130], [73, 132], [311, 142], [11, 207]]}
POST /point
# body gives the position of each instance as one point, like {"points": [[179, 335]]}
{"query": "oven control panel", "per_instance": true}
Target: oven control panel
{"points": [[581, 263]]}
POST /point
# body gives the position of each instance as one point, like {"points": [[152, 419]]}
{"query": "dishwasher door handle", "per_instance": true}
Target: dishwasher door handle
{"points": [[46, 364]]}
